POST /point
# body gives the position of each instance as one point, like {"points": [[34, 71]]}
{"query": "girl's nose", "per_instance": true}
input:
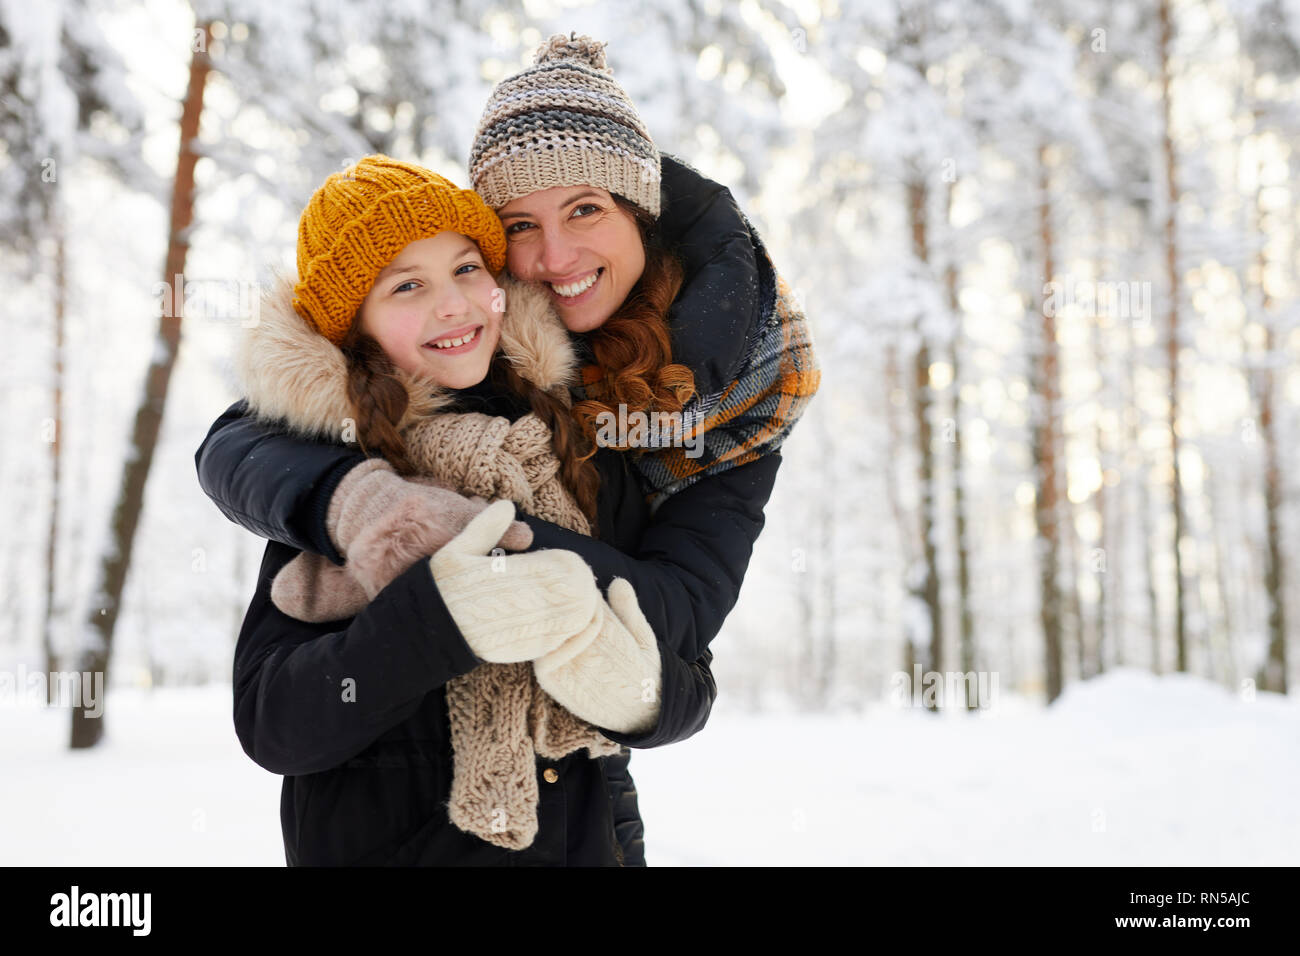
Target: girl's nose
{"points": [[451, 302]]}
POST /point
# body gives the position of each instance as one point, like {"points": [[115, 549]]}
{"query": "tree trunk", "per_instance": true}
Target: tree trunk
{"points": [[1221, 636], [1101, 569], [111, 575], [1144, 526], [906, 530], [1114, 520], [827, 569], [965, 615], [1045, 444], [1272, 676], [1171, 264], [52, 541], [1070, 586], [922, 404]]}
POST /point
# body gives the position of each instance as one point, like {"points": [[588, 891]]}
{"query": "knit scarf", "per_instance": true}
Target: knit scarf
{"points": [[499, 716]]}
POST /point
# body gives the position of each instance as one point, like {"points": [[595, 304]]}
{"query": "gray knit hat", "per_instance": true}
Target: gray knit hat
{"points": [[564, 121]]}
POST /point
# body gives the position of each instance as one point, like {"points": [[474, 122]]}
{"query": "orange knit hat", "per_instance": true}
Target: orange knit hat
{"points": [[360, 219]]}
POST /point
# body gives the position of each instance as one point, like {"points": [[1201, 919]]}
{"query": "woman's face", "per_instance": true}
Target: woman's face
{"points": [[437, 292], [582, 244]]}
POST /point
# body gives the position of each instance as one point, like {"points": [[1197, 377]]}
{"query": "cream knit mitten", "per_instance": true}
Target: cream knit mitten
{"points": [[512, 608], [609, 674]]}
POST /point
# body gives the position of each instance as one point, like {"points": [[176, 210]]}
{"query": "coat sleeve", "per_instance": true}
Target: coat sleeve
{"points": [[688, 693], [692, 558], [275, 484], [308, 697]]}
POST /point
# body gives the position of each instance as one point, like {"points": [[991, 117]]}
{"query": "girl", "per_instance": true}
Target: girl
{"points": [[458, 709]]}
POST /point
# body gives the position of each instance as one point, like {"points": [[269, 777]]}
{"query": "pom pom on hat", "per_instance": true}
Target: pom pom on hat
{"points": [[583, 49]]}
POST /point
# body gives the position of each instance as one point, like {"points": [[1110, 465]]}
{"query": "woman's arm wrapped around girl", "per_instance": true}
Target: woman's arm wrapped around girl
{"points": [[598, 658]]}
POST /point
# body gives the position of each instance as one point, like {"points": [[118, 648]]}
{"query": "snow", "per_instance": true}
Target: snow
{"points": [[34, 31], [1126, 769]]}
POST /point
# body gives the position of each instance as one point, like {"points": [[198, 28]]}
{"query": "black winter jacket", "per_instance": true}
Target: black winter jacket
{"points": [[367, 779]]}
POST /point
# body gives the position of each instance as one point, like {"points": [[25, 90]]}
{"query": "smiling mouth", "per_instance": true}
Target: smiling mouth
{"points": [[456, 342], [574, 289]]}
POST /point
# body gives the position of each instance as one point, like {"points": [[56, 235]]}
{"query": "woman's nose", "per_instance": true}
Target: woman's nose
{"points": [[559, 255]]}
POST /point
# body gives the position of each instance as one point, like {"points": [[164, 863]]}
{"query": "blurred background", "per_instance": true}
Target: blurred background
{"points": [[1042, 508]]}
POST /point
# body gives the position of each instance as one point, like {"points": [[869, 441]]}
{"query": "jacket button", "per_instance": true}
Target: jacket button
{"points": [[550, 775]]}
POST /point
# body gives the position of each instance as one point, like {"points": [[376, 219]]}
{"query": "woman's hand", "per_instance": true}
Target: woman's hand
{"points": [[512, 608], [609, 674]]}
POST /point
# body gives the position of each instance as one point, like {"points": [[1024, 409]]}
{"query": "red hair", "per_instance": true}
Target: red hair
{"points": [[633, 348]]}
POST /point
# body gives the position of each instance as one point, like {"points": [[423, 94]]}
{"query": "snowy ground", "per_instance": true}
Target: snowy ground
{"points": [[1129, 769]]}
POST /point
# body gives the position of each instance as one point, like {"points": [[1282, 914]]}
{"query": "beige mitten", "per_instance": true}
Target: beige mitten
{"points": [[512, 608], [383, 524], [372, 494], [609, 673]]}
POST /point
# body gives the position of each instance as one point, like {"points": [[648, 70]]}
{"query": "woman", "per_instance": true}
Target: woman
{"points": [[385, 694], [721, 341]]}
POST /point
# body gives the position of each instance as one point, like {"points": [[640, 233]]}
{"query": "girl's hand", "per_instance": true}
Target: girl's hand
{"points": [[372, 493]]}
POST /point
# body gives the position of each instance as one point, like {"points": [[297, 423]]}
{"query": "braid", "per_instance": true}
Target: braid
{"points": [[577, 471], [378, 399]]}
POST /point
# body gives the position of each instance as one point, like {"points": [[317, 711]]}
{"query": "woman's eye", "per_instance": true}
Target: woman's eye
{"points": [[586, 205], [515, 227]]}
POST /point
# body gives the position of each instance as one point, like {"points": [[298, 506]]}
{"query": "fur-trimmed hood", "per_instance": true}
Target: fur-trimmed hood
{"points": [[292, 374]]}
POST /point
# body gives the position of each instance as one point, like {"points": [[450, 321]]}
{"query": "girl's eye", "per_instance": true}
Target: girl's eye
{"points": [[410, 282], [469, 265]]}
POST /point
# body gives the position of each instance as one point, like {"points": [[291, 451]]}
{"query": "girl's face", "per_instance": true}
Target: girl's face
{"points": [[582, 244], [436, 310]]}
